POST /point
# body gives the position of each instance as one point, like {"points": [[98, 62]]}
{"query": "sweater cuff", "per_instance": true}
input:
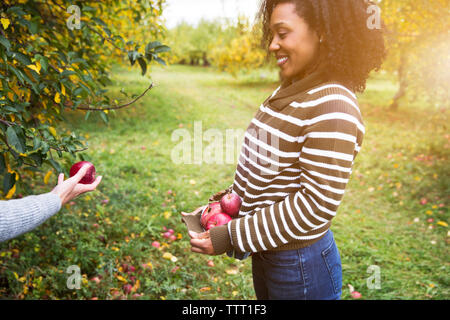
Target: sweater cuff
{"points": [[220, 239], [51, 203]]}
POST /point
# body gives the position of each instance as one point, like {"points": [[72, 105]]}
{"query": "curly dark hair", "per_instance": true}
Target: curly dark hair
{"points": [[350, 49]]}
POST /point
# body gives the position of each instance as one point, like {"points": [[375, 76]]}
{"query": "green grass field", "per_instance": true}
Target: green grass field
{"points": [[394, 214]]}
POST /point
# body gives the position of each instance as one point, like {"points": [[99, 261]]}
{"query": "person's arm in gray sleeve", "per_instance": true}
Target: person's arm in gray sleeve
{"points": [[23, 215]]}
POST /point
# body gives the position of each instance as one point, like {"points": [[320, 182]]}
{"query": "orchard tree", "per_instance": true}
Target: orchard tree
{"points": [[242, 51], [417, 38], [192, 45], [55, 56]]}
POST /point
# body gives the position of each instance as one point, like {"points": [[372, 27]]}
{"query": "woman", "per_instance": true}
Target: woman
{"points": [[299, 149], [23, 215]]}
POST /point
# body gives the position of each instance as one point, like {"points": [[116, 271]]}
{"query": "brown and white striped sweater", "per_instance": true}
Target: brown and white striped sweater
{"points": [[295, 163]]}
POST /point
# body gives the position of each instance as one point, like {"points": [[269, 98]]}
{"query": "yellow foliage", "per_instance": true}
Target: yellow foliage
{"points": [[52, 131], [47, 176], [5, 23]]}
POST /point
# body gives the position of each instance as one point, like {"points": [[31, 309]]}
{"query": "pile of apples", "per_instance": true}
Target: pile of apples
{"points": [[221, 212]]}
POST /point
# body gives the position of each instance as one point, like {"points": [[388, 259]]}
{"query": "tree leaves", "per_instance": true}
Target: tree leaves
{"points": [[14, 141], [143, 65], [9, 180], [153, 48], [5, 42], [46, 68]]}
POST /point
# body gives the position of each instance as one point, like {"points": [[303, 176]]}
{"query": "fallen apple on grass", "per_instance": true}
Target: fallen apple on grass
{"points": [[89, 177], [127, 288]]}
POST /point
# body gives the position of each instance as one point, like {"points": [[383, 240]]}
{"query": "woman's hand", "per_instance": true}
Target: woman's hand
{"points": [[201, 242], [71, 188]]}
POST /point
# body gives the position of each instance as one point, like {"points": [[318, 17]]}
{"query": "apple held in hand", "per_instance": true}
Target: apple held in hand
{"points": [[230, 204], [218, 220], [213, 216], [210, 210], [89, 177], [221, 212]]}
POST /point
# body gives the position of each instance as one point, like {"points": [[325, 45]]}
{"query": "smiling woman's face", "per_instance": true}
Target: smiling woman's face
{"points": [[293, 43]]}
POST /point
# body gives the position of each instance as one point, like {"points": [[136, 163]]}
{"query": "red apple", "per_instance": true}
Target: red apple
{"points": [[217, 220], [212, 209], [89, 177], [156, 244], [127, 288], [231, 203], [96, 280]]}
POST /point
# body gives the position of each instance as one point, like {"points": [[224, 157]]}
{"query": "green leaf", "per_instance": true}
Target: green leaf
{"points": [[14, 141], [37, 158], [34, 27], [160, 61], [9, 180], [162, 49], [55, 165], [5, 43], [31, 83], [17, 72], [149, 56], [99, 21], [21, 58], [107, 31], [143, 65], [37, 143], [133, 56], [2, 163], [152, 45], [43, 61], [104, 116], [45, 147]]}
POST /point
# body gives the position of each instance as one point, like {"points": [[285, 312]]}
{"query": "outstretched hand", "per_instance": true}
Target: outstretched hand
{"points": [[71, 188]]}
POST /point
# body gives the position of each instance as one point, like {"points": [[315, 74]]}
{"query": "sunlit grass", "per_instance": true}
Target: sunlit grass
{"points": [[399, 182]]}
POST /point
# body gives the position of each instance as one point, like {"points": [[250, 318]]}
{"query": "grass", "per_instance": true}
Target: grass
{"points": [[399, 182]]}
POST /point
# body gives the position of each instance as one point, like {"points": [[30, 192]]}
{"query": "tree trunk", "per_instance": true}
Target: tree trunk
{"points": [[205, 60], [402, 82]]}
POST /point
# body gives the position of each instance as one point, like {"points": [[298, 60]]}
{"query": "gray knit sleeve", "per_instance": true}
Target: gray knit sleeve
{"points": [[23, 215]]}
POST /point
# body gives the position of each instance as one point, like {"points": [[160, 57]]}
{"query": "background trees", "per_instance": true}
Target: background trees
{"points": [[227, 45], [418, 40]]}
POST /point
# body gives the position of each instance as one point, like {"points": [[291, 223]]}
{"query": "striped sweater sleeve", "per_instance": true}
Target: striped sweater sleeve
{"points": [[330, 143], [22, 215]]}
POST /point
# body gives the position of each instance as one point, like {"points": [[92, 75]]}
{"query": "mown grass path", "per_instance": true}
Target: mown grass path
{"points": [[399, 182]]}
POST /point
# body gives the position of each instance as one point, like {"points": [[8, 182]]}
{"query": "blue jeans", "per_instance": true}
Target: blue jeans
{"points": [[311, 273]]}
